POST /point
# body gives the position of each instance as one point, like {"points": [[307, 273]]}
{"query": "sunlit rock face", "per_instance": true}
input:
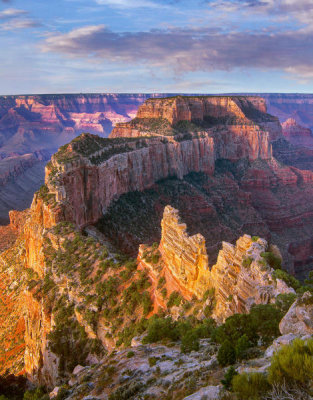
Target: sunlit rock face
{"points": [[185, 256]]}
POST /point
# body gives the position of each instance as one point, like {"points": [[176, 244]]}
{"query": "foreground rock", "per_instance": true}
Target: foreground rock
{"points": [[299, 318]]}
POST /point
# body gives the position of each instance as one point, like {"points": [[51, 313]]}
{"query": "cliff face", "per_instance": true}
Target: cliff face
{"points": [[193, 108], [86, 190], [210, 110], [88, 180], [185, 256]]}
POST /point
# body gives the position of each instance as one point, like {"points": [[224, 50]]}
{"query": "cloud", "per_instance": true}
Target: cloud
{"points": [[24, 23], [302, 10], [11, 13], [184, 50], [128, 4], [15, 19]]}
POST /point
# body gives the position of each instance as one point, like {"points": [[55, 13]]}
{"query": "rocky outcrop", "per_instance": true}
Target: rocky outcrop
{"points": [[185, 256], [85, 178], [240, 278], [299, 318], [41, 365], [89, 174]]}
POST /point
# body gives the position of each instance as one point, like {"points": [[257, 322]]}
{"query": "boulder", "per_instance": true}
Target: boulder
{"points": [[299, 318], [208, 393]]}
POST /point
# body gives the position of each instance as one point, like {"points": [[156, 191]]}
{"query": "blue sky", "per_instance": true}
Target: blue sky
{"points": [[205, 46]]}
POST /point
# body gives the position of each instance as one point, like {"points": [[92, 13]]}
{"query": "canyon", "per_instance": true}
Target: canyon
{"points": [[189, 210], [32, 124]]}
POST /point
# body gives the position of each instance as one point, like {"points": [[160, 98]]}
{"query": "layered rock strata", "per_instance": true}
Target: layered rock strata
{"points": [[86, 189], [207, 110], [85, 177]]}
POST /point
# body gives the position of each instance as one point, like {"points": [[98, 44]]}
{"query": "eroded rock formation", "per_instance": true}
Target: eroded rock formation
{"points": [[185, 256], [240, 278]]}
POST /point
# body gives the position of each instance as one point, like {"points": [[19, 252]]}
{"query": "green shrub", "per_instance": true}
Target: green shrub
{"points": [[287, 278], [250, 386], [155, 258], [152, 361], [242, 346], [284, 301], [293, 364], [266, 318], [226, 354], [246, 262], [210, 293], [272, 260], [228, 378], [255, 238], [190, 342], [130, 354], [205, 328], [161, 282], [161, 328], [35, 394], [174, 300], [126, 392], [234, 328]]}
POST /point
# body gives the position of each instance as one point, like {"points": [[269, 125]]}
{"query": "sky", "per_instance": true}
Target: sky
{"points": [[162, 46]]}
